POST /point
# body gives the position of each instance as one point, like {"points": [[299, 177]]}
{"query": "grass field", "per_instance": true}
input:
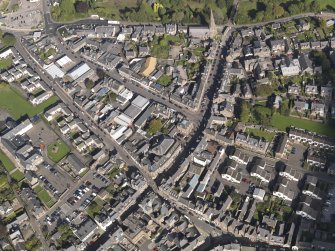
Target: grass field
{"points": [[9, 166], [3, 180], [44, 196], [12, 101], [268, 136], [57, 150], [95, 207], [17, 176], [282, 122], [247, 10]]}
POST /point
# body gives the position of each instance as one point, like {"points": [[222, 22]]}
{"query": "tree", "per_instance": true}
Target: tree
{"points": [[260, 16], [323, 24], [100, 73], [262, 115], [221, 3], [244, 113], [155, 126], [81, 7], [278, 11], [284, 108], [294, 9], [164, 80], [89, 83], [8, 39], [315, 6], [263, 90], [178, 16], [161, 12]]}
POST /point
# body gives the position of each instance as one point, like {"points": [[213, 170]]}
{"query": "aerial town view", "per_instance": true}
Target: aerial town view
{"points": [[167, 125]]}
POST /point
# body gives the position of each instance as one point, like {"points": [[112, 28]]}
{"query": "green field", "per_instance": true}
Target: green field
{"points": [[58, 150], [3, 180], [17, 176], [95, 207], [44, 196], [268, 136], [154, 126], [169, 11], [9, 166], [17, 106], [263, 10], [282, 122]]}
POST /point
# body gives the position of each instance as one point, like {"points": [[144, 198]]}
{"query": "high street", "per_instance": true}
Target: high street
{"points": [[192, 116]]}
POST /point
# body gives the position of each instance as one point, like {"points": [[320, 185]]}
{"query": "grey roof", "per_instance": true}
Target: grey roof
{"points": [[85, 229], [75, 163]]}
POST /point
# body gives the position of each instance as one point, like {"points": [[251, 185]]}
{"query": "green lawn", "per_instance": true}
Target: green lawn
{"points": [[165, 80], [37, 189], [3, 180], [244, 8], [83, 173], [5, 63], [95, 207], [58, 150], [261, 10], [17, 175], [12, 101], [44, 196], [268, 136], [155, 126], [282, 122], [6, 162]]}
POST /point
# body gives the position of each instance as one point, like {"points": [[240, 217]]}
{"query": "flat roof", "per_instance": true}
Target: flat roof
{"points": [[78, 71], [133, 111], [64, 61], [54, 71], [141, 102]]}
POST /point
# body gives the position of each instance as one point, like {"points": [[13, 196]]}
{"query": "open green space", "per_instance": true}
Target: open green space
{"points": [[44, 55], [11, 216], [268, 136], [17, 106], [282, 122], [165, 11], [165, 80], [94, 208], [3, 180], [4, 5], [265, 10], [32, 244], [66, 235], [274, 206], [154, 126], [5, 63], [160, 46], [9, 166], [83, 173], [37, 189], [262, 115], [17, 175], [57, 150], [44, 196]]}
